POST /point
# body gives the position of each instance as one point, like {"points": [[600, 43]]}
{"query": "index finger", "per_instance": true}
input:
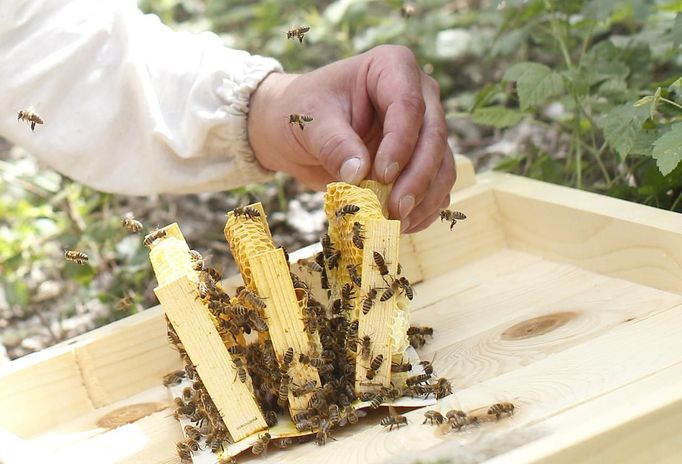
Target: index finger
{"points": [[394, 87]]}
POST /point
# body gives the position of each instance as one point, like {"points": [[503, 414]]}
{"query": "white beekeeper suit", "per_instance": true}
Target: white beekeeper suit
{"points": [[130, 106]]}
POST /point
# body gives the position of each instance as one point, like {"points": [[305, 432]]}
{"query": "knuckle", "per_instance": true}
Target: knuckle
{"points": [[330, 148], [440, 134], [414, 103]]}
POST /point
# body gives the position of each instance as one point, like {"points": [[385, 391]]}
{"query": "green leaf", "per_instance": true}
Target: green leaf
{"points": [[668, 149], [676, 31], [535, 82], [497, 116], [621, 126], [599, 10]]}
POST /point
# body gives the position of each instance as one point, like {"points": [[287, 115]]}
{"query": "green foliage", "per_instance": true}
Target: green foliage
{"points": [[611, 69]]}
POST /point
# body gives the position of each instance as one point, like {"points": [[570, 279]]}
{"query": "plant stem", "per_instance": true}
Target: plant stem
{"points": [[670, 102], [558, 35], [677, 201]]}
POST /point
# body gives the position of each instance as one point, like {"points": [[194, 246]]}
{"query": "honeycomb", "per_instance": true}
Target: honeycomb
{"points": [[247, 238], [170, 259]]}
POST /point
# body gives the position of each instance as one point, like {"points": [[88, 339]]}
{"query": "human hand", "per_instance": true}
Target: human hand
{"points": [[374, 115]]}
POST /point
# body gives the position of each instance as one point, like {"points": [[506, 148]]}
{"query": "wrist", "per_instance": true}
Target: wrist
{"points": [[267, 117]]}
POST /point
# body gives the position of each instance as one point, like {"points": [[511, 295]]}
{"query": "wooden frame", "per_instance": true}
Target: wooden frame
{"points": [[602, 277]]}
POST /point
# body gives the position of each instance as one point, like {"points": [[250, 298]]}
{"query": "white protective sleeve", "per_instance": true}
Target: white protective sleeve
{"points": [[129, 105]]}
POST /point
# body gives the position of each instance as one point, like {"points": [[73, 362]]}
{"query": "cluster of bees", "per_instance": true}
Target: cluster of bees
{"points": [[456, 420]]}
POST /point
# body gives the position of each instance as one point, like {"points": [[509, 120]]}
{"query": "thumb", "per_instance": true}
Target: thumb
{"points": [[340, 151]]}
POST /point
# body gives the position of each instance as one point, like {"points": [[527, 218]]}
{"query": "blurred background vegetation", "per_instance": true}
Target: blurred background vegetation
{"points": [[582, 93]]}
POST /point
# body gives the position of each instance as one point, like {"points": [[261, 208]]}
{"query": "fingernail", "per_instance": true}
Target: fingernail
{"points": [[404, 225], [391, 172], [350, 170], [405, 206]]}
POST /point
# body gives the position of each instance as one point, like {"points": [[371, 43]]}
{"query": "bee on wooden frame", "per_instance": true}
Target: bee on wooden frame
{"points": [[501, 408], [154, 236], [30, 117], [393, 419]]}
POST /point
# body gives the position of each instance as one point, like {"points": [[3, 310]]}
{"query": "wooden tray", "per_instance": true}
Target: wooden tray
{"points": [[564, 302]]}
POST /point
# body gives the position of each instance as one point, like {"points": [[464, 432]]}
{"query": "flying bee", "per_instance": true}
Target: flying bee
{"points": [[333, 261], [374, 366], [368, 301], [173, 378], [433, 416], [154, 236], [300, 119], [249, 212], [75, 256], [346, 210], [298, 33], [401, 367], [393, 419], [501, 408], [380, 263], [261, 445], [358, 236], [404, 284], [354, 276], [124, 303], [30, 117], [131, 224], [310, 265], [407, 10], [452, 216]]}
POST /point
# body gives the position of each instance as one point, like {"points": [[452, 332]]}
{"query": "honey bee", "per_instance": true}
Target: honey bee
{"points": [[334, 416], [249, 212], [283, 391], [288, 356], [347, 210], [124, 303], [154, 236], [401, 367], [358, 236], [307, 387], [393, 420], [433, 416], [257, 323], [271, 418], [404, 284], [390, 291], [236, 349], [252, 298], [298, 33], [443, 388], [198, 265], [131, 224], [333, 261], [414, 330], [261, 445], [427, 366], [316, 401], [173, 378], [376, 401], [30, 117], [310, 265], [241, 371], [350, 414], [407, 10], [380, 263], [417, 379], [368, 301], [283, 443], [300, 119], [501, 408], [347, 292], [184, 452], [327, 246], [192, 432], [374, 366], [459, 421], [323, 434], [354, 276], [452, 216], [366, 343], [194, 255], [75, 256]]}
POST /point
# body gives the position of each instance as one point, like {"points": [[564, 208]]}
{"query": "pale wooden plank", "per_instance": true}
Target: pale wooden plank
{"points": [[606, 235], [638, 422], [466, 177], [192, 322], [36, 398]]}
